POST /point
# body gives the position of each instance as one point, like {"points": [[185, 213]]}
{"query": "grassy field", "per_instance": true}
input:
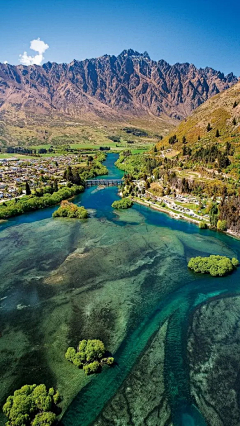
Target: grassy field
{"points": [[20, 156], [59, 151]]}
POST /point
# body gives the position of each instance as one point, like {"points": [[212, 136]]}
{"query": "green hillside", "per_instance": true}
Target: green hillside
{"points": [[216, 121]]}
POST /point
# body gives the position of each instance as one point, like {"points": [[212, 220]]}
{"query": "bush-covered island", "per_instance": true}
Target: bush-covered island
{"points": [[70, 210], [90, 355], [124, 203], [213, 265], [32, 405]]}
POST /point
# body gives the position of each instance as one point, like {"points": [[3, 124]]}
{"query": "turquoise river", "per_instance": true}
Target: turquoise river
{"points": [[121, 277]]}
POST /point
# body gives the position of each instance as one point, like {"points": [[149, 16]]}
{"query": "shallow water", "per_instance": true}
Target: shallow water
{"points": [[121, 277]]}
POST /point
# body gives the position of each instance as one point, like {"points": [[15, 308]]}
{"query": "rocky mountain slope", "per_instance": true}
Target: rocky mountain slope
{"points": [[217, 120], [111, 88]]}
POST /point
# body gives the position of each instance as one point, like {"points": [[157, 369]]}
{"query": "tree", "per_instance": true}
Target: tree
{"points": [[110, 360], [214, 214], [168, 191], [213, 265], [88, 356], [184, 140], [235, 104], [28, 190], [70, 210], [68, 175], [235, 262], [30, 405], [70, 354], [55, 185], [172, 140], [228, 148], [209, 127], [46, 419], [76, 178], [221, 225], [203, 225], [91, 368], [234, 121], [217, 133], [124, 203]]}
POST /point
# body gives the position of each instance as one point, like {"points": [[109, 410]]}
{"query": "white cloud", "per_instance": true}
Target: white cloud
{"points": [[40, 47], [5, 62]]}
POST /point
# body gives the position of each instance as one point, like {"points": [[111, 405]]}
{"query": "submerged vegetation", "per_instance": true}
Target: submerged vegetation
{"points": [[213, 265], [70, 210], [32, 405], [89, 356], [124, 203]]}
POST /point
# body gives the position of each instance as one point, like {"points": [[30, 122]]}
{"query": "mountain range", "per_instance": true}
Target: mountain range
{"points": [[112, 88]]}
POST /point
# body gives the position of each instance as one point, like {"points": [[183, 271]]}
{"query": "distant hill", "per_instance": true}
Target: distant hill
{"points": [[217, 120], [37, 100]]}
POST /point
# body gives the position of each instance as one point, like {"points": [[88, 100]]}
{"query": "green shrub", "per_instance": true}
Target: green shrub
{"points": [[110, 360], [91, 368], [31, 405], [46, 419], [70, 354], [213, 265], [221, 225], [124, 203], [88, 356], [235, 262], [78, 360], [95, 349], [203, 225], [70, 210]]}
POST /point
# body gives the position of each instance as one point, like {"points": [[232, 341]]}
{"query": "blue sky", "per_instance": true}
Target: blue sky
{"points": [[205, 33]]}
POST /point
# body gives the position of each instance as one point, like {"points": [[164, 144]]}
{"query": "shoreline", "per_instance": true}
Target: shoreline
{"points": [[163, 210], [179, 217]]}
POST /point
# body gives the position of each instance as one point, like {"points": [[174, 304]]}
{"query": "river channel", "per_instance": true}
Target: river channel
{"points": [[121, 277]]}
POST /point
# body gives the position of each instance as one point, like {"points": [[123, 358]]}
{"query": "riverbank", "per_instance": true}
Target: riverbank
{"points": [[31, 203], [179, 216], [165, 210]]}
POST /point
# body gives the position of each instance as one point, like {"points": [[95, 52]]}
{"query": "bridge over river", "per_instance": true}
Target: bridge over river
{"points": [[103, 182]]}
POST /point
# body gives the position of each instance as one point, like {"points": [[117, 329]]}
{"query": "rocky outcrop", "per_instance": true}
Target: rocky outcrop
{"points": [[130, 84]]}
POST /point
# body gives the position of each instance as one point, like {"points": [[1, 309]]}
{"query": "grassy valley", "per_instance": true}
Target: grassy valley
{"points": [[61, 130]]}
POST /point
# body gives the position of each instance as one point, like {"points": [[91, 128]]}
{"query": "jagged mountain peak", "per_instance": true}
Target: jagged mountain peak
{"points": [[134, 53], [123, 86]]}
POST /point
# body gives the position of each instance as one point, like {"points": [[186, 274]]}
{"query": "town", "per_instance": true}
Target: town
{"points": [[37, 172]]}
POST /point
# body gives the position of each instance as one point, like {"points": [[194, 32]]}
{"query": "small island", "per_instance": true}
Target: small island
{"points": [[90, 355], [32, 405], [70, 210], [216, 266], [124, 203]]}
